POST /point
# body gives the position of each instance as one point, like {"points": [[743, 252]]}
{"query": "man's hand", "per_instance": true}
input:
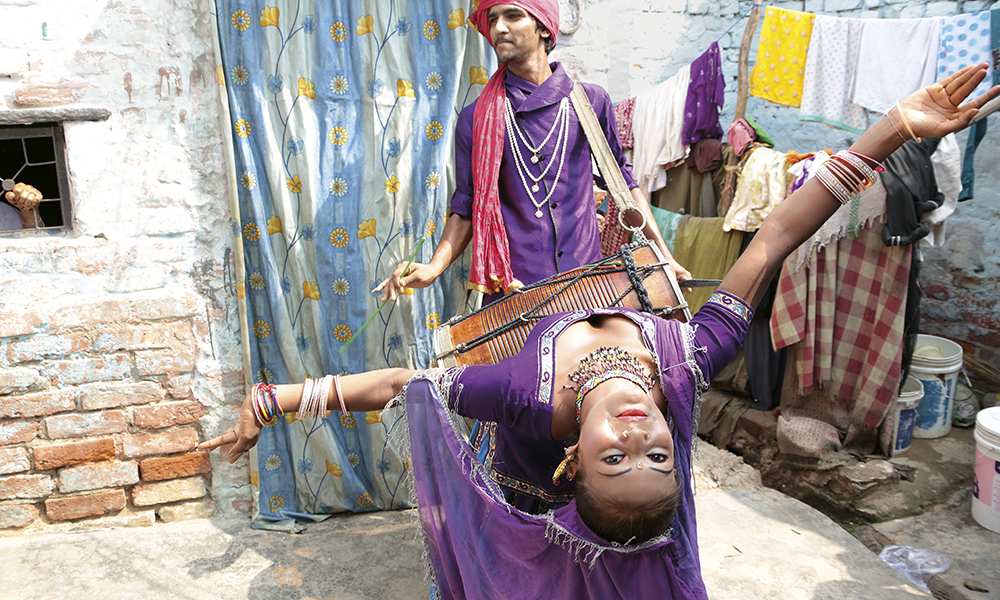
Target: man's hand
{"points": [[418, 275]]}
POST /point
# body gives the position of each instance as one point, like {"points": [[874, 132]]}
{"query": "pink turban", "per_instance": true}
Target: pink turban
{"points": [[545, 11]]}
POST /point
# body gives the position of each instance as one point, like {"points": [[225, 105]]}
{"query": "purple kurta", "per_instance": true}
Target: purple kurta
{"points": [[517, 394], [566, 236]]}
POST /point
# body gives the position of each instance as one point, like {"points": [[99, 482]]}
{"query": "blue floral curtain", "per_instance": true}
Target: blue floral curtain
{"points": [[341, 117]]}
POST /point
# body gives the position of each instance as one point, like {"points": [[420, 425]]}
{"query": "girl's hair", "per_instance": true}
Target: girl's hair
{"points": [[625, 523]]}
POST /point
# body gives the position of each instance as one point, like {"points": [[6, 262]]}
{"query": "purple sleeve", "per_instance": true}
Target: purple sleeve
{"points": [[479, 392], [720, 326], [601, 102], [461, 200]]}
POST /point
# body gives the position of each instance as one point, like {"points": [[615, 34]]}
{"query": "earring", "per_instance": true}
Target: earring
{"points": [[562, 467]]}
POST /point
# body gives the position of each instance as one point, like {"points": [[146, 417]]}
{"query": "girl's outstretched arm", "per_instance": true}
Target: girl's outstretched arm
{"points": [[934, 111], [362, 392]]}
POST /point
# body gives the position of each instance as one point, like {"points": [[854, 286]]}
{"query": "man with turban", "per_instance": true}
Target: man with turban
{"points": [[524, 193]]}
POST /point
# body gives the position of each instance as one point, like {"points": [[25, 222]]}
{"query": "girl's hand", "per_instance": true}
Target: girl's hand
{"points": [[240, 438], [937, 110]]}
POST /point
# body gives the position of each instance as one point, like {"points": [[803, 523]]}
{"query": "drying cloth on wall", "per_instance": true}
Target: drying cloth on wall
{"points": [[706, 252], [705, 96], [830, 72], [885, 78], [667, 222], [657, 123], [995, 43], [965, 40], [854, 295], [623, 117], [781, 56], [911, 191], [947, 165], [976, 134], [761, 187], [850, 218]]}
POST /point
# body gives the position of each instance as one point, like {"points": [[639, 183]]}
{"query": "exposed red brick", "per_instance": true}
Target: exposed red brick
{"points": [[77, 371], [168, 442], [65, 455], [113, 394], [16, 322], [174, 467], [39, 404], [13, 516], [19, 380], [168, 491], [94, 476], [164, 362], [14, 460], [25, 486], [90, 505], [86, 424], [167, 414], [17, 432], [39, 347]]}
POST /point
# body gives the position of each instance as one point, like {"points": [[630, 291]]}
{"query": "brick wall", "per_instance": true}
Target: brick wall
{"points": [[119, 340], [99, 416]]}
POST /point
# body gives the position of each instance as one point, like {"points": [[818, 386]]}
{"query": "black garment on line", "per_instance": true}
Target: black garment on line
{"points": [[765, 366], [911, 192]]}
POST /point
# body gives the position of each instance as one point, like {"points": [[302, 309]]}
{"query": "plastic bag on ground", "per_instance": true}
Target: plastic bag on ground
{"points": [[916, 564]]}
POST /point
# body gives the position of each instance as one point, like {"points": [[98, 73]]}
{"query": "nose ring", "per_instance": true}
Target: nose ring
{"points": [[625, 434], [639, 466]]}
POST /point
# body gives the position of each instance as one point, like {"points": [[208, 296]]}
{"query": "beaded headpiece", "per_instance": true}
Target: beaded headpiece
{"points": [[608, 363]]}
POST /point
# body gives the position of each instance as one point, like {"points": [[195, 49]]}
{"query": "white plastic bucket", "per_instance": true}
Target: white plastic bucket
{"points": [[986, 482], [936, 363], [906, 414]]}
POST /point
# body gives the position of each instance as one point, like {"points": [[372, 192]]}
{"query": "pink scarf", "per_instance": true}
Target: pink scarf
{"points": [[491, 271]]}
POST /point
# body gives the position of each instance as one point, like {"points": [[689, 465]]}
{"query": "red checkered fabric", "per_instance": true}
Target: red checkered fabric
{"points": [[845, 310]]}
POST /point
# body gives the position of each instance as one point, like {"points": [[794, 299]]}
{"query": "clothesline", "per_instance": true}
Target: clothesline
{"points": [[737, 21]]}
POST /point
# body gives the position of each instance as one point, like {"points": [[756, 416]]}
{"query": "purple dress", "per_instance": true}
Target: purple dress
{"points": [[480, 546], [566, 236]]}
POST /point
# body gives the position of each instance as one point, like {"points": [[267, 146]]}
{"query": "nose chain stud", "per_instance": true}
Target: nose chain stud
{"points": [[639, 466]]}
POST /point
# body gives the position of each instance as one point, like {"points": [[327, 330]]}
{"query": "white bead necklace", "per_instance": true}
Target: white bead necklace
{"points": [[561, 123]]}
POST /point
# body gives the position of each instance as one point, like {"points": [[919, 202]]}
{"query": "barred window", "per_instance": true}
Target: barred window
{"points": [[35, 155]]}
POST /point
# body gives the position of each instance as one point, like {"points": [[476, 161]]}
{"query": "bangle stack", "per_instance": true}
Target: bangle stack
{"points": [[265, 403], [906, 123], [315, 393], [847, 173]]}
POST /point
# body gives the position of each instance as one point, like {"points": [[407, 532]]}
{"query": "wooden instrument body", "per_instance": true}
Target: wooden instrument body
{"points": [[455, 341]]}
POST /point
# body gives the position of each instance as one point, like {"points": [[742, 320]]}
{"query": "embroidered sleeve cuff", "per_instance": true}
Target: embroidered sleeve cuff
{"points": [[733, 304]]}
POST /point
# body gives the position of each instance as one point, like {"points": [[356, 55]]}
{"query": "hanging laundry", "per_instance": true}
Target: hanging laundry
{"points": [[781, 56], [965, 40], [760, 188], [854, 295], [623, 118], [947, 164], [885, 77], [705, 96], [830, 72], [658, 120], [911, 191], [995, 43], [694, 236]]}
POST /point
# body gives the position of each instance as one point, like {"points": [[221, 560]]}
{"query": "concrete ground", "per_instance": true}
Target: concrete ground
{"points": [[755, 543]]}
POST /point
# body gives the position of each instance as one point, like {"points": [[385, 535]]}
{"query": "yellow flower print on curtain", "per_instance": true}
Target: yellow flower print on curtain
{"points": [[781, 56]]}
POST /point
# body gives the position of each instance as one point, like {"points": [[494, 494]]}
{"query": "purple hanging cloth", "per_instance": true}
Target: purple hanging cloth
{"points": [[706, 95]]}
